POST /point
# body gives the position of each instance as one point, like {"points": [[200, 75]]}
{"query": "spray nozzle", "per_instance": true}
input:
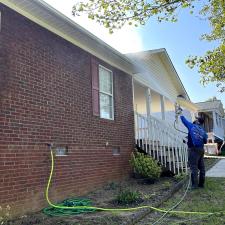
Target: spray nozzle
{"points": [[178, 111], [50, 145]]}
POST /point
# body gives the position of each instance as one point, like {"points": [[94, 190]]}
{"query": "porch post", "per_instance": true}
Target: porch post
{"points": [[148, 101], [214, 121], [162, 100]]}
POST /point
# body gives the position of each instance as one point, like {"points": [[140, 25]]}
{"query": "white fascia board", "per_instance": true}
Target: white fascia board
{"points": [[164, 56], [66, 28], [187, 104], [209, 110], [175, 74]]}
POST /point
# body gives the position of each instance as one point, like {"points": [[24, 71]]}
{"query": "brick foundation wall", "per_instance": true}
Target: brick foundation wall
{"points": [[46, 97]]}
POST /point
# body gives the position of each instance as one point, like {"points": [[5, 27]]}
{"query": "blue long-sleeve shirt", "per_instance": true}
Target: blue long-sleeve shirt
{"points": [[189, 126]]}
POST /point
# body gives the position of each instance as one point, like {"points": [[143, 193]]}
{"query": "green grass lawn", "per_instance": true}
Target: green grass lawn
{"points": [[209, 199]]}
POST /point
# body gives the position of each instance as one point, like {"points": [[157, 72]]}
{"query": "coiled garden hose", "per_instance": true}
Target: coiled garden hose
{"points": [[75, 206]]}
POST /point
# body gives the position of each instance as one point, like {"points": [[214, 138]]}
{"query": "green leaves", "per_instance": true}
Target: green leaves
{"points": [[145, 165], [114, 15], [211, 66], [118, 13], [128, 197]]}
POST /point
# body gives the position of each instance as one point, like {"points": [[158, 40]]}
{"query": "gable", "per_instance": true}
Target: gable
{"points": [[158, 75]]}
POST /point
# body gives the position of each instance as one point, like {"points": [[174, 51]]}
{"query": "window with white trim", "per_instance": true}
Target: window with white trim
{"points": [[106, 93]]}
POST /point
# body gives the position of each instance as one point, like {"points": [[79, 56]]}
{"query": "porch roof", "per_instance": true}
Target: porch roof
{"points": [[162, 53], [212, 105]]}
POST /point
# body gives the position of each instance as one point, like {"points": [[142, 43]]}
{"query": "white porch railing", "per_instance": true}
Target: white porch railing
{"points": [[162, 142]]}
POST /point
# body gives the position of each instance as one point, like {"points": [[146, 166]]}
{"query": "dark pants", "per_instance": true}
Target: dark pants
{"points": [[196, 163]]}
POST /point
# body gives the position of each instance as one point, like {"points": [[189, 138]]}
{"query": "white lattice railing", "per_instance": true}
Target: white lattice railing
{"points": [[162, 142]]}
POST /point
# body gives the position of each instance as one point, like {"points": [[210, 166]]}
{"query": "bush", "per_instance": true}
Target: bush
{"points": [[179, 177], [128, 197], [167, 185], [4, 214], [111, 186], [145, 165]]}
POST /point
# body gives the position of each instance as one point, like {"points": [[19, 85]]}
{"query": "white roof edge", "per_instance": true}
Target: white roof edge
{"points": [[20, 7], [187, 104], [151, 51], [116, 59], [175, 71], [73, 23], [210, 106], [163, 51], [216, 100]]}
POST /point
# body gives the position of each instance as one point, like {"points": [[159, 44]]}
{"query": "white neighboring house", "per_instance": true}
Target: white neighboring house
{"points": [[213, 113], [157, 88]]}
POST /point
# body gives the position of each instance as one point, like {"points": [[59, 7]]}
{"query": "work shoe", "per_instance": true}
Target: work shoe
{"points": [[192, 188]]}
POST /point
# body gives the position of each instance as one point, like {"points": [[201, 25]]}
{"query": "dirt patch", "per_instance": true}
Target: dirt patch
{"points": [[105, 197], [151, 194]]}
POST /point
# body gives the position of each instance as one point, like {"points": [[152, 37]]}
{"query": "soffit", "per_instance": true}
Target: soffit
{"points": [[46, 16]]}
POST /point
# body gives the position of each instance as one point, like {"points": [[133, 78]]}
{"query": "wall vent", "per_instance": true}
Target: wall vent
{"points": [[61, 151], [116, 150]]}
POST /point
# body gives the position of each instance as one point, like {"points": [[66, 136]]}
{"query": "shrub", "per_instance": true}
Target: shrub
{"points": [[4, 214], [179, 177], [111, 186], [128, 197], [167, 185], [222, 153], [145, 165]]}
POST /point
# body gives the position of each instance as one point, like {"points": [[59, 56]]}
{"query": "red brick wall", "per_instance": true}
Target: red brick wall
{"points": [[45, 97]]}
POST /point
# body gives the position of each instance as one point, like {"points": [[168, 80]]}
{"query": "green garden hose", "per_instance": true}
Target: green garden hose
{"points": [[76, 206], [72, 202]]}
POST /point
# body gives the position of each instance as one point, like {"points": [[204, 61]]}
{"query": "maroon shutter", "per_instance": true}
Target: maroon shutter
{"points": [[95, 87]]}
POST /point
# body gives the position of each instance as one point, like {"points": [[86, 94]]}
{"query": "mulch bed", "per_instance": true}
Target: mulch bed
{"points": [[105, 197], [151, 194]]}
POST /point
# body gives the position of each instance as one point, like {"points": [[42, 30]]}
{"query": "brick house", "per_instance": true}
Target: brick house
{"points": [[60, 84]]}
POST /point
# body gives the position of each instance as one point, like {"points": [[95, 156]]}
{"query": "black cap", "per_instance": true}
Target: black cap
{"points": [[200, 120]]}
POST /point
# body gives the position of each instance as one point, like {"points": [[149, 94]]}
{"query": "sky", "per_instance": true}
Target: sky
{"points": [[180, 39]]}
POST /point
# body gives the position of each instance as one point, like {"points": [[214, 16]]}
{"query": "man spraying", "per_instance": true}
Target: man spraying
{"points": [[197, 137]]}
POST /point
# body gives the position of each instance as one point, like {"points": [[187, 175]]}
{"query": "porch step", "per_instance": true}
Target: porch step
{"points": [[161, 141], [164, 155]]}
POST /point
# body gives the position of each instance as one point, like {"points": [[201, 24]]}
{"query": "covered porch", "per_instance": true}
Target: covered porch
{"points": [[154, 128], [157, 88], [208, 121]]}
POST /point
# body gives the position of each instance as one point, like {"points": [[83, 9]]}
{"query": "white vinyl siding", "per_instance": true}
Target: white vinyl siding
{"points": [[158, 78], [106, 93]]}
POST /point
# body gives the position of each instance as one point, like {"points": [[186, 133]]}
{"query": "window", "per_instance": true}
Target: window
{"points": [[106, 93], [102, 90]]}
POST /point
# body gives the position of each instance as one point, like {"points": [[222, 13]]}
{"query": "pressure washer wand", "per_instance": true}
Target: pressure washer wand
{"points": [[178, 111]]}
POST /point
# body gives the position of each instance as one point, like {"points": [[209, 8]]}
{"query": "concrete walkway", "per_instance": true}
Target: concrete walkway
{"points": [[218, 170]]}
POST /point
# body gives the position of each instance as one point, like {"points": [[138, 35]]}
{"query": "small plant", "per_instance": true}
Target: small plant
{"points": [[167, 185], [4, 214], [128, 197], [145, 165], [180, 176], [111, 186], [148, 196]]}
